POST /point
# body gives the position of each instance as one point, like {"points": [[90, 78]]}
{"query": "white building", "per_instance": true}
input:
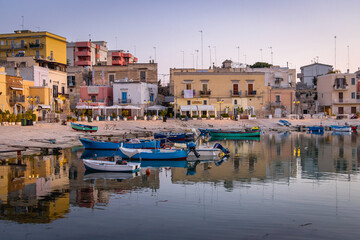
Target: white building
{"points": [[308, 72], [138, 94]]}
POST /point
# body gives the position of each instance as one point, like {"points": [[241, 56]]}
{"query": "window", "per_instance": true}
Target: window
{"points": [[353, 95], [188, 102], [235, 101], [93, 98], [55, 91], [71, 81], [353, 81], [37, 54], [277, 98], [251, 89], [22, 43], [205, 87], [44, 82], [12, 44], [51, 55], [235, 89], [2, 43], [151, 97], [188, 86], [111, 78], [142, 76], [63, 90], [37, 41], [205, 102], [6, 43]]}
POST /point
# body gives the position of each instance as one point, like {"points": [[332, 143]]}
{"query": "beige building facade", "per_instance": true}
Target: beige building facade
{"points": [[338, 93], [211, 92]]}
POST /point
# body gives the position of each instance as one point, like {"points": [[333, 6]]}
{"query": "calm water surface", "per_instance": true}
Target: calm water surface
{"points": [[296, 186]]}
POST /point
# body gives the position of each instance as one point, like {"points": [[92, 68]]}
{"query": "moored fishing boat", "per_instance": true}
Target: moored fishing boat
{"points": [[153, 154], [336, 128], [315, 129], [111, 166], [83, 128], [174, 136], [235, 133], [107, 145]]}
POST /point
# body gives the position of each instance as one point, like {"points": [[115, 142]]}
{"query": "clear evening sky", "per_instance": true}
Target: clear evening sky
{"points": [[297, 31]]}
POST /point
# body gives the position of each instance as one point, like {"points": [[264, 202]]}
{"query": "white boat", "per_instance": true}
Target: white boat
{"points": [[111, 166], [206, 152], [340, 128], [110, 175]]}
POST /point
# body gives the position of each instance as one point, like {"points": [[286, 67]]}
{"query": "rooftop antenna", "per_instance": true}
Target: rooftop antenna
{"points": [[271, 55], [335, 52], [202, 50], [215, 56], [197, 57], [238, 50], [261, 55], [155, 53], [89, 37], [22, 22], [210, 55], [348, 58]]}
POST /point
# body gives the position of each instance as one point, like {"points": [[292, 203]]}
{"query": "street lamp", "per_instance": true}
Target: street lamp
{"points": [[220, 102]]}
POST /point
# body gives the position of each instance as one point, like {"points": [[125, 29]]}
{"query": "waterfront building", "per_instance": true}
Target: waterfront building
{"points": [[219, 90], [86, 53], [282, 83], [339, 93], [311, 71], [138, 94], [45, 47], [96, 95]]}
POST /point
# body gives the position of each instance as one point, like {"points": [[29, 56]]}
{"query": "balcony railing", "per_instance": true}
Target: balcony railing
{"points": [[83, 63], [235, 93], [341, 87], [124, 101], [342, 101], [205, 93], [250, 93], [16, 99], [36, 45], [83, 53]]}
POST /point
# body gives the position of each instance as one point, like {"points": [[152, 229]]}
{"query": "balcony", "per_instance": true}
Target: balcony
{"points": [[340, 87], [182, 92], [235, 93], [117, 62], [83, 44], [83, 63], [205, 93], [250, 93], [276, 104], [127, 55], [97, 55], [16, 99], [124, 101], [14, 47], [83, 53], [346, 101], [117, 54], [36, 45]]}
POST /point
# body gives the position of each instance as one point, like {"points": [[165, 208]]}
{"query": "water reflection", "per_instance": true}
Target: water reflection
{"points": [[45, 188]]}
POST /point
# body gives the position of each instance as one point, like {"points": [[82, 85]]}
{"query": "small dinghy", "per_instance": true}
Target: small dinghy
{"points": [[111, 166], [340, 128], [83, 128]]}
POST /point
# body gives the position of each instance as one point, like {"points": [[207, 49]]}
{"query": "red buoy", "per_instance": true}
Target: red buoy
{"points": [[148, 171]]}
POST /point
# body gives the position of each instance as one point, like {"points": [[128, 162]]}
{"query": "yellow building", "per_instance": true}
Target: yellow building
{"points": [[214, 91], [41, 45], [3, 102]]}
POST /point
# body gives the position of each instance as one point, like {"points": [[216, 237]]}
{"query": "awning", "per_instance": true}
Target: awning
{"points": [[42, 106], [206, 107], [17, 89], [131, 107], [157, 107], [186, 108]]}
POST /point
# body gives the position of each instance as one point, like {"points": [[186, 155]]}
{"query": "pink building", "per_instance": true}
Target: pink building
{"points": [[96, 95]]}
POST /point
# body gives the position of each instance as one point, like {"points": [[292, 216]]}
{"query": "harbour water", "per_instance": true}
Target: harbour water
{"points": [[280, 186]]}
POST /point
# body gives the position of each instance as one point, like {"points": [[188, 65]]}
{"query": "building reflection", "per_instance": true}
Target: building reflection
{"points": [[279, 157]]}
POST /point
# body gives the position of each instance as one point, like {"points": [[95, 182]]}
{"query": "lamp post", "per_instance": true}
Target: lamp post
{"points": [[220, 102]]}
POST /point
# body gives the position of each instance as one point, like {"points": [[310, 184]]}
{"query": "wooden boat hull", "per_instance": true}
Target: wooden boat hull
{"points": [[229, 134], [107, 166], [106, 145], [83, 128]]}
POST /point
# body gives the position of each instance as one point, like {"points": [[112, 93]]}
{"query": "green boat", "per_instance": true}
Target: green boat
{"points": [[234, 133], [257, 139], [84, 128]]}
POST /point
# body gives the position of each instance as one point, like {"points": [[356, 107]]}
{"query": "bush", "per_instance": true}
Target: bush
{"points": [[212, 116], [114, 115], [182, 116], [125, 113], [225, 115], [253, 115], [203, 116], [19, 117], [194, 116], [163, 113], [170, 115], [34, 117], [69, 117]]}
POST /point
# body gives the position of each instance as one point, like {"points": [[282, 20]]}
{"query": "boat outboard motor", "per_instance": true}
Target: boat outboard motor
{"points": [[224, 150], [192, 148]]}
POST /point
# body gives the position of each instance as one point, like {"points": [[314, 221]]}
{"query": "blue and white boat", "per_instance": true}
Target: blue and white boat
{"points": [[316, 129], [336, 128], [284, 123], [107, 145], [111, 166], [153, 154]]}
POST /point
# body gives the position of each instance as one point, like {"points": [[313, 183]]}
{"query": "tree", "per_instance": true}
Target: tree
{"points": [[261, 65]]}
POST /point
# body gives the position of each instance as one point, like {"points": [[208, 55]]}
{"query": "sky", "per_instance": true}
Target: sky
{"points": [[297, 31]]}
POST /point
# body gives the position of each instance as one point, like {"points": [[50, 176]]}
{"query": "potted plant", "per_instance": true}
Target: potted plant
{"points": [[194, 117], [212, 117], [252, 116], [114, 116], [225, 116], [1, 119], [203, 117], [18, 119], [125, 114]]}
